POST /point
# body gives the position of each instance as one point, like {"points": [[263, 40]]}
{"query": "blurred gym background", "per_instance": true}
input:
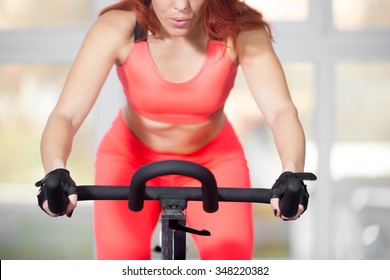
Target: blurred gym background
{"points": [[336, 56]]}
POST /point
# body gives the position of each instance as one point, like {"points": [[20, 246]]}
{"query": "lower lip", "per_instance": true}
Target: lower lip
{"points": [[179, 23]]}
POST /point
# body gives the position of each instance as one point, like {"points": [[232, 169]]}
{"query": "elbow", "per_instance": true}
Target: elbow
{"points": [[63, 121], [287, 114]]}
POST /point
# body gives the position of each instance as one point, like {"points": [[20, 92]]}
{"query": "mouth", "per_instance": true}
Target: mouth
{"points": [[180, 22]]}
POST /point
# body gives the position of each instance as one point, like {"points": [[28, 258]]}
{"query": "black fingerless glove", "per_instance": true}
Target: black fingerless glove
{"points": [[281, 183], [63, 177]]}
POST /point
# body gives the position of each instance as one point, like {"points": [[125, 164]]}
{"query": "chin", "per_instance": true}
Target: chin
{"points": [[176, 32]]}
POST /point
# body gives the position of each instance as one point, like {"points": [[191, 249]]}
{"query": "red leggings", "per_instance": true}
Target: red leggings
{"points": [[123, 234]]}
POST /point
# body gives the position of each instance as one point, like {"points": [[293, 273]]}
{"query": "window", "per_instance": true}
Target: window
{"points": [[362, 146], [282, 10], [17, 14], [27, 95], [352, 15], [31, 78]]}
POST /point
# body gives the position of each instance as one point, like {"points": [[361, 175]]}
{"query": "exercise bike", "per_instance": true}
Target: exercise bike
{"points": [[173, 200]]}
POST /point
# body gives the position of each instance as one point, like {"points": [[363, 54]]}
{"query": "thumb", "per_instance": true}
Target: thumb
{"points": [[274, 202]]}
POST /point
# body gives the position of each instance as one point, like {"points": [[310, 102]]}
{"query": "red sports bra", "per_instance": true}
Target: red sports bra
{"points": [[191, 102]]}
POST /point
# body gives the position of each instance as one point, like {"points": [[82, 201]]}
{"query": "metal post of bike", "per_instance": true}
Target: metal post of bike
{"points": [[173, 242]]}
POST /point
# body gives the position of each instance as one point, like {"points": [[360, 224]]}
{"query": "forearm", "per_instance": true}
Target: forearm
{"points": [[289, 139], [56, 142]]}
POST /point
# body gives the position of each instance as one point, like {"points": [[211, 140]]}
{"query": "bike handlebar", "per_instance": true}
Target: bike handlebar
{"points": [[169, 167], [209, 193], [92, 192]]}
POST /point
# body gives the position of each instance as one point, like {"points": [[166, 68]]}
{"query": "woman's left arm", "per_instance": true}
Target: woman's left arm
{"points": [[267, 82]]}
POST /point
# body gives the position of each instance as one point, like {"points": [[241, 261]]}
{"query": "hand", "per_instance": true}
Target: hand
{"points": [[69, 189], [279, 187]]}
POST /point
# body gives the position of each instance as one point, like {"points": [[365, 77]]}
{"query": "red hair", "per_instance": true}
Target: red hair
{"points": [[221, 18]]}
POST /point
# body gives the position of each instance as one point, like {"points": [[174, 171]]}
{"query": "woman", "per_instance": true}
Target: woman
{"points": [[176, 80]]}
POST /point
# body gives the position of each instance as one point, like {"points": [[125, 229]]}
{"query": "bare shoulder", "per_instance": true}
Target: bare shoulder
{"points": [[118, 20], [112, 31], [253, 42], [115, 24]]}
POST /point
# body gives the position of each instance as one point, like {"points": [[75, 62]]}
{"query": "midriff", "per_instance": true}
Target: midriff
{"points": [[172, 138]]}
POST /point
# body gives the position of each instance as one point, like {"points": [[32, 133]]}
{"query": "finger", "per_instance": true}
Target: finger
{"points": [[45, 207], [299, 213], [71, 205], [274, 202]]}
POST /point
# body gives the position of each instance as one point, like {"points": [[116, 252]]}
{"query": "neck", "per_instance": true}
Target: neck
{"points": [[196, 34]]}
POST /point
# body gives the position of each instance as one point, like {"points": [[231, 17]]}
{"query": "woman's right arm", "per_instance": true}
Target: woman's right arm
{"points": [[100, 50], [98, 53]]}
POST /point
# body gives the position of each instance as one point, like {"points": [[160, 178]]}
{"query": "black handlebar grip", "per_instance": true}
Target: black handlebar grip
{"points": [[56, 198], [289, 202], [173, 167]]}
